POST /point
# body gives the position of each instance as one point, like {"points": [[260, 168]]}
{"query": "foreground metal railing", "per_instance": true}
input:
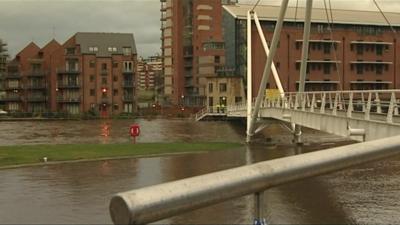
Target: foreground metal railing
{"points": [[162, 201], [378, 102]]}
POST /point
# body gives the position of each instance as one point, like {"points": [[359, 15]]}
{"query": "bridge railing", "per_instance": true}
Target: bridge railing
{"points": [[150, 204], [345, 103]]}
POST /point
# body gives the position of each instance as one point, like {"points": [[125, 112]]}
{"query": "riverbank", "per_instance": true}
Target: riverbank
{"points": [[30, 155]]}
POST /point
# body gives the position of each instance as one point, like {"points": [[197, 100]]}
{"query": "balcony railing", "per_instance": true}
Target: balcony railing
{"points": [[128, 84], [11, 98], [14, 75], [12, 87], [127, 71], [36, 74], [68, 71], [127, 98], [66, 99], [68, 85], [36, 86], [37, 98]]}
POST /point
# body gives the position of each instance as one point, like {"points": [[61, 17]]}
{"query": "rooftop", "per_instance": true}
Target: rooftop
{"points": [[340, 16], [105, 40]]}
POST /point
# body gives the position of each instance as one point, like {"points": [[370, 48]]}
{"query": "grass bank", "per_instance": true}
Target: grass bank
{"points": [[31, 154]]}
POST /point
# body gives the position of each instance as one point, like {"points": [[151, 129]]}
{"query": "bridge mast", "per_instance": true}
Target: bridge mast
{"points": [[270, 57]]}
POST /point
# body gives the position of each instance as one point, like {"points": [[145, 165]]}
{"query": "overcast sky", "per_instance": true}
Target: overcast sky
{"points": [[22, 21]]}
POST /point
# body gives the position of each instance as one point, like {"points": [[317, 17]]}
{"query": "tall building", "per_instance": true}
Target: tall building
{"points": [[91, 72], [149, 73], [192, 47], [359, 51], [3, 70]]}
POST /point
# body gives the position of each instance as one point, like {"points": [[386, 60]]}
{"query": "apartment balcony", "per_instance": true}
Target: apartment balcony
{"points": [[68, 85], [127, 98], [15, 75], [188, 64], [37, 98], [36, 86], [66, 99], [8, 87], [68, 71], [128, 84], [11, 98], [36, 74], [127, 72]]}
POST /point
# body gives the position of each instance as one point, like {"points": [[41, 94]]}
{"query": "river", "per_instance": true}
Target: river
{"points": [[79, 193]]}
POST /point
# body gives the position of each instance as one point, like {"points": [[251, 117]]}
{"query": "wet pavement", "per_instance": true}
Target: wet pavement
{"points": [[79, 193]]}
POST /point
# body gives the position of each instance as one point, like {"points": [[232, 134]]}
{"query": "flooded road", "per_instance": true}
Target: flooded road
{"points": [[79, 193]]}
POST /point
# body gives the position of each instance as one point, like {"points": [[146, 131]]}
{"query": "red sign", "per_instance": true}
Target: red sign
{"points": [[134, 130]]}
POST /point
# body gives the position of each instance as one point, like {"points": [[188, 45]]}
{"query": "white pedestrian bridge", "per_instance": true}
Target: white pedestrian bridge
{"points": [[361, 115]]}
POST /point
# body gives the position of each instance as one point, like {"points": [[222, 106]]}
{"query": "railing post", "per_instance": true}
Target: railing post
{"points": [[330, 101], [378, 103], [303, 101], [389, 118], [323, 102], [335, 104], [350, 106], [363, 101], [368, 109], [312, 103], [259, 206]]}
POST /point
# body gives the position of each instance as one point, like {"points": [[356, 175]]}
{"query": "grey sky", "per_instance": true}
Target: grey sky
{"points": [[22, 21]]}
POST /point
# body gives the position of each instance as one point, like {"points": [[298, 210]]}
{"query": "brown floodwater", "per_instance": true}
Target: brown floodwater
{"points": [[79, 193]]}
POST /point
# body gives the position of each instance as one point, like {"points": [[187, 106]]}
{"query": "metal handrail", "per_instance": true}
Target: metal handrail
{"points": [[150, 204]]}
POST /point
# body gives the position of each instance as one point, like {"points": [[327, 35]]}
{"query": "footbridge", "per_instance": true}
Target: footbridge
{"points": [[361, 115]]}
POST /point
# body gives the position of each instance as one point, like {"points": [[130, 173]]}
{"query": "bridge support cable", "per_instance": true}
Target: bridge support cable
{"points": [[267, 69], [266, 48], [306, 42], [249, 76]]}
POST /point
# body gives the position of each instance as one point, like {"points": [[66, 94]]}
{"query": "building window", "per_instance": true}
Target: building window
{"points": [[297, 66], [92, 105], [115, 78], [93, 49], [128, 66], [91, 92], [210, 88], [298, 44], [115, 65], [104, 80], [116, 107], [360, 69], [70, 51], [238, 99], [360, 49], [278, 65], [210, 101], [327, 68], [379, 69], [104, 94], [327, 48], [127, 50], [104, 66], [91, 64], [91, 78], [379, 49], [217, 59], [115, 92], [222, 87]]}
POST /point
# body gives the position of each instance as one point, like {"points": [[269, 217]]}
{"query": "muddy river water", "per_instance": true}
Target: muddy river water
{"points": [[79, 193]]}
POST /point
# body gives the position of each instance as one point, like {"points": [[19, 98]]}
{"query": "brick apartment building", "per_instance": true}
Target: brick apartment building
{"points": [[192, 47], [361, 53], [149, 73], [91, 72]]}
